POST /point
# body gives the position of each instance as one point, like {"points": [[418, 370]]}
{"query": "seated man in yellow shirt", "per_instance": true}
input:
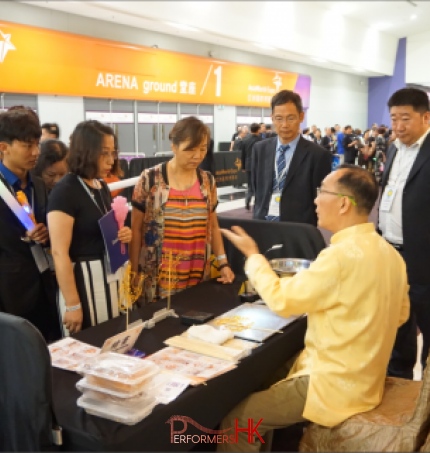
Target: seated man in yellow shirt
{"points": [[355, 295]]}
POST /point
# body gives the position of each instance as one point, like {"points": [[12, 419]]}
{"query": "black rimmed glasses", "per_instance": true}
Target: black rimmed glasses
{"points": [[338, 194]]}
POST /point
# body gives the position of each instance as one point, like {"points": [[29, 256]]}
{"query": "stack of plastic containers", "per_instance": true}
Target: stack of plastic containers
{"points": [[114, 387]]}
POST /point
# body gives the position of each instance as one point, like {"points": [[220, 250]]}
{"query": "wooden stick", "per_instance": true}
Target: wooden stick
{"points": [[169, 285]]}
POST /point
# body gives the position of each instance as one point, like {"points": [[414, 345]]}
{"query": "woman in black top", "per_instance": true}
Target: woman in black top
{"points": [[75, 206]]}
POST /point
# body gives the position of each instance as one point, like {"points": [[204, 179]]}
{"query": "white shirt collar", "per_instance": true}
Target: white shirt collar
{"points": [[419, 142]]}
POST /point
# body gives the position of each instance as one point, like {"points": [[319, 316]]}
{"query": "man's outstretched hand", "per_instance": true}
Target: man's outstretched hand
{"points": [[241, 240]]}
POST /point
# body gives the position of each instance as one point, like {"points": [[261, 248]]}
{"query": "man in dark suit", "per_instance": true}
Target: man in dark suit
{"points": [[327, 141], [27, 286], [247, 145], [404, 218], [350, 143], [287, 169], [208, 163], [269, 132]]}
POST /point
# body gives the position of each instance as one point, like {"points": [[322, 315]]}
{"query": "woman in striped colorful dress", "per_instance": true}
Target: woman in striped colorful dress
{"points": [[174, 223]]}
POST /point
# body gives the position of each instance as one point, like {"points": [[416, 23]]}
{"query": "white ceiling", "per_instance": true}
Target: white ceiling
{"points": [[222, 23]]}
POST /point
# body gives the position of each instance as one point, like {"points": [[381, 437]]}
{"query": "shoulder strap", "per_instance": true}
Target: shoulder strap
{"points": [[8, 186]]}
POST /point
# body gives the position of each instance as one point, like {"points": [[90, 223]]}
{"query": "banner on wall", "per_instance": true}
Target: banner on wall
{"points": [[41, 61]]}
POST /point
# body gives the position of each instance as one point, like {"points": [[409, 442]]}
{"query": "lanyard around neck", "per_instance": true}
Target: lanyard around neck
{"points": [[14, 192], [92, 197]]}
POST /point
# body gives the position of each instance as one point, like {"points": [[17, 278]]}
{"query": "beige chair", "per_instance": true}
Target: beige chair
{"points": [[400, 423]]}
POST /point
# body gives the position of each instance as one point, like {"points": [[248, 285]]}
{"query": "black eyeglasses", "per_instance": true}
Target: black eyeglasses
{"points": [[338, 194]]}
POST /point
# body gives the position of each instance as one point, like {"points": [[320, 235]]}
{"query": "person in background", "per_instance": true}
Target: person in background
{"points": [[327, 140], [391, 138], [317, 137], [269, 132], [27, 287], [50, 131], [306, 134], [234, 137], [312, 132], [115, 174], [240, 138], [350, 143], [381, 142], [247, 146], [351, 329], [75, 206], [174, 215], [208, 163], [340, 135], [366, 153], [262, 131], [51, 165]]}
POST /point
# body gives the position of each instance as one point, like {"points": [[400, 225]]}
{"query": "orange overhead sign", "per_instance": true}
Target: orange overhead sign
{"points": [[41, 61]]}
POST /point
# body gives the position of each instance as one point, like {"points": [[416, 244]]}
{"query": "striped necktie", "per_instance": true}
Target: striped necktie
{"points": [[280, 165]]}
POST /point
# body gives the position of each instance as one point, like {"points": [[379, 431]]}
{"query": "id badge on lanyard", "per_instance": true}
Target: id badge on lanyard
{"points": [[40, 257], [275, 199], [388, 198], [275, 203]]}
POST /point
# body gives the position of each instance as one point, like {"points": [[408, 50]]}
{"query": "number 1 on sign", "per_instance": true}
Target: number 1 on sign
{"points": [[218, 73]]}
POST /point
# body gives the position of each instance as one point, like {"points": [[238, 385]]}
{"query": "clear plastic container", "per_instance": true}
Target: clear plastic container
{"points": [[128, 411], [118, 372], [83, 385]]}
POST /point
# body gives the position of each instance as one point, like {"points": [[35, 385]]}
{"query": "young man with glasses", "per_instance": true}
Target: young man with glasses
{"points": [[287, 169], [355, 295]]}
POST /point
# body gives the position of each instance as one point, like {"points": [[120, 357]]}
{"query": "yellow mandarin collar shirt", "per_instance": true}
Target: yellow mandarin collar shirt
{"points": [[356, 296]]}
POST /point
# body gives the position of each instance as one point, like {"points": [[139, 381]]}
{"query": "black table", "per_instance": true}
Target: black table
{"points": [[206, 404]]}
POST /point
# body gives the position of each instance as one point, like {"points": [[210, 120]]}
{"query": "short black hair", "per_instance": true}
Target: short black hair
{"points": [[20, 124], [52, 128], [417, 99], [255, 127], [361, 184], [285, 96], [51, 151], [189, 129], [86, 146]]}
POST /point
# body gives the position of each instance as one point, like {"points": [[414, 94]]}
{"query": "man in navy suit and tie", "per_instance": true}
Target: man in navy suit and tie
{"points": [[287, 169]]}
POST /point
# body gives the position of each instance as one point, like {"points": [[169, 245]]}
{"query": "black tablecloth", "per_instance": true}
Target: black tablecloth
{"points": [[206, 404], [299, 240]]}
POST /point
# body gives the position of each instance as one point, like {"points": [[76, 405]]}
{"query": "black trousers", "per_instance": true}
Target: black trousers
{"points": [[249, 192], [404, 355], [350, 156]]}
